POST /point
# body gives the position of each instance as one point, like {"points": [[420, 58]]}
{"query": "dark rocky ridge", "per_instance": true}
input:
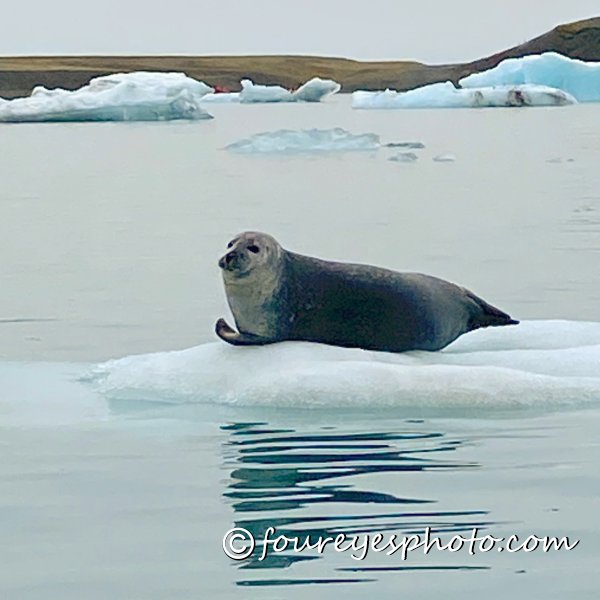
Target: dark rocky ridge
{"points": [[19, 75]]}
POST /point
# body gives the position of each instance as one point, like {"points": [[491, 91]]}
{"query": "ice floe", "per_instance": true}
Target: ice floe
{"points": [[578, 78], [446, 95], [138, 96], [305, 140], [537, 364]]}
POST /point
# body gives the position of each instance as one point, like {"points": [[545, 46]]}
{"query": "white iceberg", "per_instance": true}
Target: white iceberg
{"points": [[446, 95], [305, 140], [578, 78], [316, 89], [263, 93], [138, 96]]}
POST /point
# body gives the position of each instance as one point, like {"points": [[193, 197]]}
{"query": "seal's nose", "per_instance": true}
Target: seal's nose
{"points": [[227, 259]]}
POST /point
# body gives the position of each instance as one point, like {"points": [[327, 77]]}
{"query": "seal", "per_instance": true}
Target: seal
{"points": [[276, 295]]}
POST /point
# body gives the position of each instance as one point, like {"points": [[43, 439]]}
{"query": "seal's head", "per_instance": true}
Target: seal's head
{"points": [[250, 254]]}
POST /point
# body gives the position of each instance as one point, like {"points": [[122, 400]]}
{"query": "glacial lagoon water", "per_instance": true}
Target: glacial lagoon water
{"points": [[120, 478]]}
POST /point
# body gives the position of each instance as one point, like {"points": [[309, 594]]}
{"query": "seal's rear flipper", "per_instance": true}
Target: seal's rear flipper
{"points": [[231, 336], [489, 316]]}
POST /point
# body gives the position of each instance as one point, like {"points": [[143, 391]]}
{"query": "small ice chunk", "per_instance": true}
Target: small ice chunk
{"points": [[411, 145], [263, 93], [444, 158], [138, 96], [577, 78], [405, 157], [559, 159], [305, 140], [316, 89]]}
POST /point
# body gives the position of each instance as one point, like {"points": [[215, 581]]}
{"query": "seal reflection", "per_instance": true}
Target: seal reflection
{"points": [[311, 484]]}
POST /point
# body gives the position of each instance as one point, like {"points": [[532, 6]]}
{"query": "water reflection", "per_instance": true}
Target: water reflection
{"points": [[320, 483]]}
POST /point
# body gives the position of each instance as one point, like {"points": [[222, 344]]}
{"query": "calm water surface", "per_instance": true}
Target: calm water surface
{"points": [[111, 231], [109, 235]]}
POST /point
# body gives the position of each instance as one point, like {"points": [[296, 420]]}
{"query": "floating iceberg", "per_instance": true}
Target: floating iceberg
{"points": [[445, 95], [139, 96], [537, 364], [263, 93], [578, 78], [305, 140], [313, 90], [316, 89]]}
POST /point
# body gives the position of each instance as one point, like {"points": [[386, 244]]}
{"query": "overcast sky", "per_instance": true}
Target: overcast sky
{"points": [[425, 30]]}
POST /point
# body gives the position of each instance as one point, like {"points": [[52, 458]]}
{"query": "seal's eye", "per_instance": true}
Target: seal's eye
{"points": [[253, 248], [230, 244]]}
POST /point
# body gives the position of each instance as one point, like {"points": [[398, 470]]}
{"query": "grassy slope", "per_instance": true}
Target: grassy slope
{"points": [[18, 75]]}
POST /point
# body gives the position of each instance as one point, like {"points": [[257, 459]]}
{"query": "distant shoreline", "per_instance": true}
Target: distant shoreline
{"points": [[19, 75]]}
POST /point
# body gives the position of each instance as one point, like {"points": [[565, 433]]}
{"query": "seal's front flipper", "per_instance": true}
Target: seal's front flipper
{"points": [[231, 336]]}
